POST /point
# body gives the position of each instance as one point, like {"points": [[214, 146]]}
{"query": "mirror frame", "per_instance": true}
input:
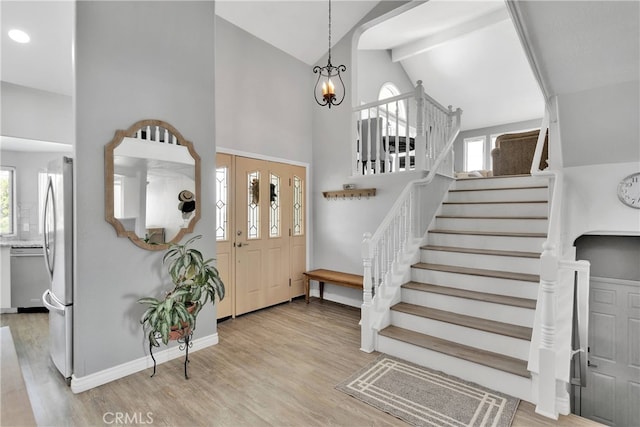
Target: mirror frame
{"points": [[109, 182]]}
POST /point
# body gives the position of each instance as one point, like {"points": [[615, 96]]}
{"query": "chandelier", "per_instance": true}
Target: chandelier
{"points": [[325, 93]]}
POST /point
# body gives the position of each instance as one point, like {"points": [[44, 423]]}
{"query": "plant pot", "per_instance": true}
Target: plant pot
{"points": [[179, 331]]}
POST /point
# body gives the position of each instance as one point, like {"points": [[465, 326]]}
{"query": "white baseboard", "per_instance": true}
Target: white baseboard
{"points": [[80, 384]]}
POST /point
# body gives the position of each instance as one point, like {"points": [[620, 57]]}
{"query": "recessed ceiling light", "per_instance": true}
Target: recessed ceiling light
{"points": [[19, 36]]}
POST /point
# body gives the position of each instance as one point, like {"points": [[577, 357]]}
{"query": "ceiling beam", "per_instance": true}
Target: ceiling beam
{"points": [[427, 43]]}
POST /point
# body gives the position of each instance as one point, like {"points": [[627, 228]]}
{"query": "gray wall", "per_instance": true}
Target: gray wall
{"points": [[27, 165], [601, 125], [263, 102], [613, 257], [458, 145], [36, 114], [134, 60]]}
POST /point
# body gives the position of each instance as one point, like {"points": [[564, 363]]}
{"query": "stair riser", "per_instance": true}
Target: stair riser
{"points": [[499, 195], [492, 285], [495, 343], [473, 184], [503, 243], [496, 209], [487, 262], [494, 379], [499, 225], [485, 310]]}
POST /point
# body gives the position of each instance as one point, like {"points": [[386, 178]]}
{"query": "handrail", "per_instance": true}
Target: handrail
{"points": [[385, 142], [398, 230], [552, 262], [422, 181]]}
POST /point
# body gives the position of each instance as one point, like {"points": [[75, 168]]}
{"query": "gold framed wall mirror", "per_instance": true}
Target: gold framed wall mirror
{"points": [[152, 184]]}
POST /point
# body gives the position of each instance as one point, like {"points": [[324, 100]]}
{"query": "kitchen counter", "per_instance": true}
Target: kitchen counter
{"points": [[20, 243]]}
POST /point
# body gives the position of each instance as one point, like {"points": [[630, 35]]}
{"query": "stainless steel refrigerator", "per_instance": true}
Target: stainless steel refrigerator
{"points": [[58, 254]]}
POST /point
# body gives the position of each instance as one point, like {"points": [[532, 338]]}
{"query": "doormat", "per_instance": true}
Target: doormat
{"points": [[424, 397]]}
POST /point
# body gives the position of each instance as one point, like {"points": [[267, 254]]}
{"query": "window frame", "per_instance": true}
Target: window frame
{"points": [[465, 150], [12, 202]]}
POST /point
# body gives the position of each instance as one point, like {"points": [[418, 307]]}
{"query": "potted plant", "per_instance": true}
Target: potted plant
{"points": [[195, 282]]}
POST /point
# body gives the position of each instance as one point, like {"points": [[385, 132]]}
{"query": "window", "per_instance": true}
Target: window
{"points": [[222, 204], [474, 153], [397, 112], [7, 201]]}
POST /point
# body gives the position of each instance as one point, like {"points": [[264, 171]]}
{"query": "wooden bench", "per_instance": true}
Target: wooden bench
{"points": [[330, 276]]}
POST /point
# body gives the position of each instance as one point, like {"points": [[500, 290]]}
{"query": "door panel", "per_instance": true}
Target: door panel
{"points": [[613, 378], [298, 229], [278, 240], [250, 244], [224, 233]]}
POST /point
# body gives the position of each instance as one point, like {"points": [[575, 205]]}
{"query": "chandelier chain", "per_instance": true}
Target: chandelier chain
{"points": [[329, 30]]}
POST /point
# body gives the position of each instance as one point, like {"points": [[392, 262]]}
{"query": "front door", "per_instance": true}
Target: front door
{"points": [[612, 395], [267, 245]]}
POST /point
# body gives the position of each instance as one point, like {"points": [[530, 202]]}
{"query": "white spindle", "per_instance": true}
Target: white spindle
{"points": [[148, 135], [166, 136]]}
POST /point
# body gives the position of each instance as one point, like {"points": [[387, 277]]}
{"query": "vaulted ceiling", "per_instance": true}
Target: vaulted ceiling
{"points": [[466, 52]]}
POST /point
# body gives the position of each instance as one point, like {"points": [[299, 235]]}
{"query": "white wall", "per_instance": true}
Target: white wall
{"points": [[375, 68], [263, 102], [591, 201], [134, 61], [600, 125], [35, 114]]}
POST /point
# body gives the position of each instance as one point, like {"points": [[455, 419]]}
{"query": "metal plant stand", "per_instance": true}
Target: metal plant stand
{"points": [[185, 343]]}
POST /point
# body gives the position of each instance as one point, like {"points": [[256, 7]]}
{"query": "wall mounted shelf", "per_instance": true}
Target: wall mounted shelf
{"points": [[356, 192]]}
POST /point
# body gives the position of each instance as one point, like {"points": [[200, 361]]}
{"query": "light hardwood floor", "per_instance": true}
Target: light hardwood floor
{"points": [[274, 367]]}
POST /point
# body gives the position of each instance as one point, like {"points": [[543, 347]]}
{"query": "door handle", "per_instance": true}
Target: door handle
{"points": [[592, 365], [242, 244], [51, 305]]}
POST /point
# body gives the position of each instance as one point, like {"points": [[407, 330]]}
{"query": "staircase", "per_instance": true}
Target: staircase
{"points": [[469, 307]]}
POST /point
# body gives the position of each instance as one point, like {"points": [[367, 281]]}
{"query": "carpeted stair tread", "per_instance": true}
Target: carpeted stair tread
{"points": [[471, 354], [506, 202], [478, 272], [506, 329], [478, 296], [524, 187], [491, 217], [488, 233], [518, 254]]}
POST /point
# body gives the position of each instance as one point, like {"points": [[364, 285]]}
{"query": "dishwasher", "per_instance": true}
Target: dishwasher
{"points": [[29, 278]]}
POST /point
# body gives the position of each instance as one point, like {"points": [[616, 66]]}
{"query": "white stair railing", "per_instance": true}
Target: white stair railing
{"points": [[558, 272], [399, 134], [403, 227]]}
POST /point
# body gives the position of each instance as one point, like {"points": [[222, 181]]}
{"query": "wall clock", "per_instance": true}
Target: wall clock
{"points": [[629, 190]]}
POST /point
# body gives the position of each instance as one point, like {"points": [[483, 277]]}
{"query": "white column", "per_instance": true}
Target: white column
{"points": [[547, 364], [421, 138]]}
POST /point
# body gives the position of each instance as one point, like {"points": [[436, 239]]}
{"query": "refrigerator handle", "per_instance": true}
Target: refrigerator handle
{"points": [[47, 224], [51, 305]]}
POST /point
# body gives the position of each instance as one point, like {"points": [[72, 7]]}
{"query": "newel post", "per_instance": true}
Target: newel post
{"points": [[547, 363], [421, 137], [366, 327]]}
